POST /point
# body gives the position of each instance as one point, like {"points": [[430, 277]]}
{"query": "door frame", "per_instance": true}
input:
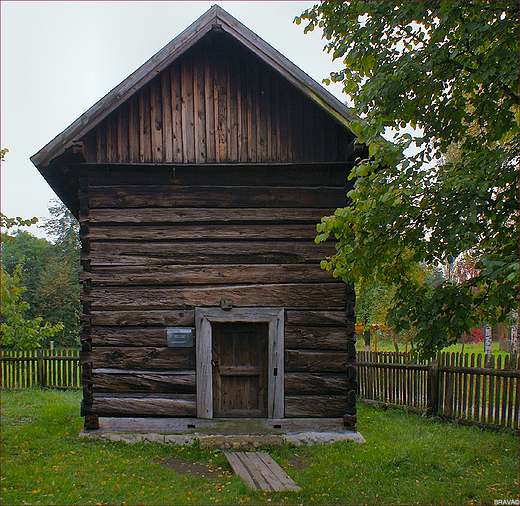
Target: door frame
{"points": [[275, 361]]}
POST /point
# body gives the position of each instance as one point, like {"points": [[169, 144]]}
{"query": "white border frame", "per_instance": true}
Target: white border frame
{"points": [[204, 344]]}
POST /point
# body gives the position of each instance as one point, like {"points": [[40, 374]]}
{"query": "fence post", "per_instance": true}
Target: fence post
{"points": [[432, 406], [40, 369]]}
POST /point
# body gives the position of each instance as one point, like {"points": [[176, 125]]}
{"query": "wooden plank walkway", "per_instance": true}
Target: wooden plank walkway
{"points": [[260, 471]]}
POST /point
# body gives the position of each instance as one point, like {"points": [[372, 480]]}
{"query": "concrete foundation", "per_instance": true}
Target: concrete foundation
{"points": [[225, 433]]}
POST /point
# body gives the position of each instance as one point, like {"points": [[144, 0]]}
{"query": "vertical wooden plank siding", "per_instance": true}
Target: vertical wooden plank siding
{"points": [[237, 78], [264, 110], [232, 108], [187, 111], [133, 135], [166, 110], [176, 97], [275, 118], [200, 111], [251, 116], [209, 108], [145, 154], [156, 123], [101, 143]]}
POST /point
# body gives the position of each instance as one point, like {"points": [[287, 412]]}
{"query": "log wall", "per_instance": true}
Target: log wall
{"points": [[159, 241], [207, 184]]}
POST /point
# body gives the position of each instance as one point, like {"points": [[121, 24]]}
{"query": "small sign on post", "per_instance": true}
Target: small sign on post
{"points": [[487, 343], [514, 339]]}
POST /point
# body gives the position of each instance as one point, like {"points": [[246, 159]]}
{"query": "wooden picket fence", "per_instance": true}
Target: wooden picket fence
{"points": [[44, 368], [454, 386]]}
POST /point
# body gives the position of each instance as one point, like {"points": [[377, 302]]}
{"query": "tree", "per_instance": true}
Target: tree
{"points": [[40, 280], [373, 302], [17, 330], [48, 274], [58, 291], [58, 299], [449, 70], [31, 254], [62, 225]]}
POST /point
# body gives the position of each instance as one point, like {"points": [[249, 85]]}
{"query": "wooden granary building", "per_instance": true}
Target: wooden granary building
{"points": [[198, 183]]}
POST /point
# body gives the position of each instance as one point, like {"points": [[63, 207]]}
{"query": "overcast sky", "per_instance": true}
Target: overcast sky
{"points": [[59, 58]]}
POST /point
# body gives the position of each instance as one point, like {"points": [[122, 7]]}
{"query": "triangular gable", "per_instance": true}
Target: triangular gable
{"points": [[213, 18]]}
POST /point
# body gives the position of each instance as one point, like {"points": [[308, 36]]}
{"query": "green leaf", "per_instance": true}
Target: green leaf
{"points": [[454, 199]]}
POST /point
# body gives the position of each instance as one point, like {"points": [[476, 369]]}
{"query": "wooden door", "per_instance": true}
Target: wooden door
{"points": [[239, 360]]}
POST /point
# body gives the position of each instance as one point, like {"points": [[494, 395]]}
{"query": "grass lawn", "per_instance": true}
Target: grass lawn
{"points": [[407, 460]]}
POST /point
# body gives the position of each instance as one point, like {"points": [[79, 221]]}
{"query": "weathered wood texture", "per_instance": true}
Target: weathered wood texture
{"points": [[297, 295], [129, 358], [214, 196], [215, 104], [207, 184], [115, 380], [298, 383], [260, 471], [163, 405]]}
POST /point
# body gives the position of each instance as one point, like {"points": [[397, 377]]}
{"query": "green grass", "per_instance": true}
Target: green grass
{"points": [[407, 460]]}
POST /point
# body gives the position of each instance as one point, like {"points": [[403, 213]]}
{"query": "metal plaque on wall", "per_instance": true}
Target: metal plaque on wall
{"points": [[180, 337]]}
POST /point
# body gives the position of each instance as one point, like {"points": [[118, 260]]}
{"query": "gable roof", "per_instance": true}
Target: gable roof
{"points": [[214, 18]]}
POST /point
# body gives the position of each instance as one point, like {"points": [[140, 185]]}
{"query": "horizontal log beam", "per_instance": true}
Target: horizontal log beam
{"points": [[135, 318], [142, 358], [129, 337], [166, 232], [183, 405], [194, 216], [293, 296], [215, 196], [208, 252], [139, 381], [330, 406], [204, 274], [316, 318], [317, 361], [299, 383], [265, 175], [317, 338]]}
